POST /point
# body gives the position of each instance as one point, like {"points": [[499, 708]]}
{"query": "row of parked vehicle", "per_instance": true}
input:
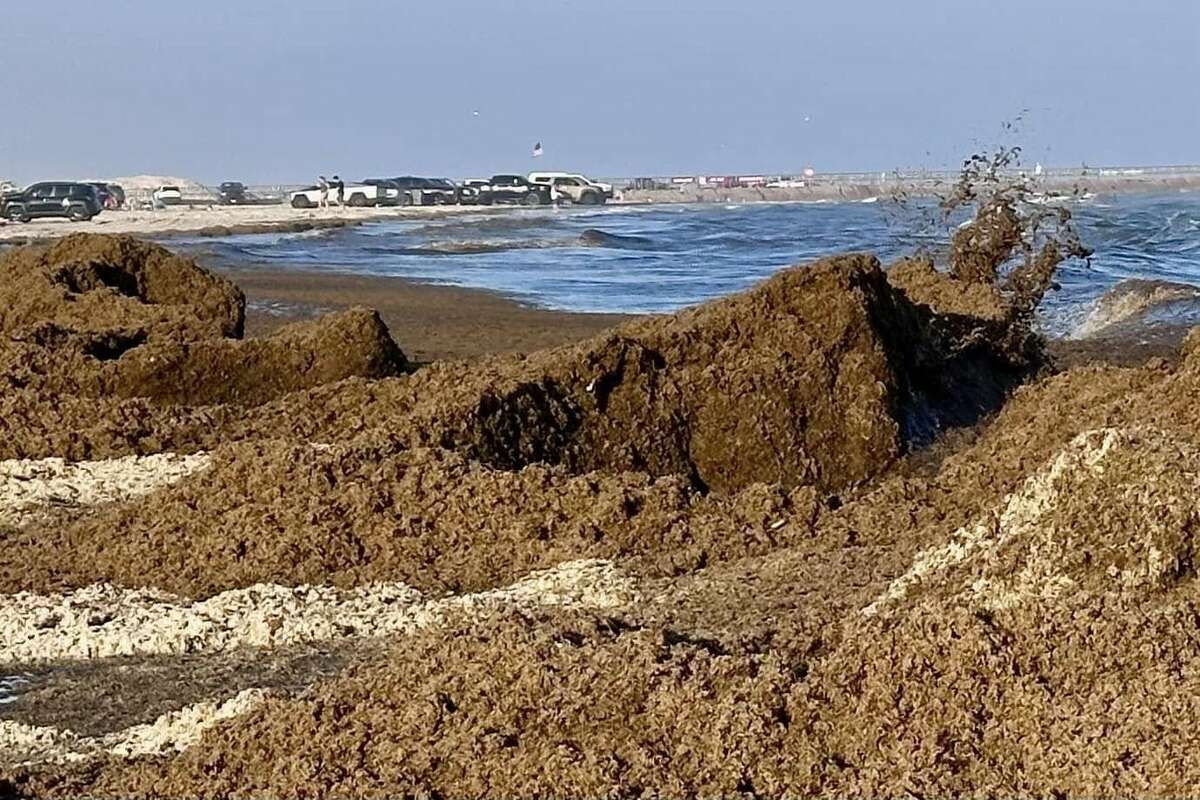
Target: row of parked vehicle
{"points": [[538, 188], [80, 201], [74, 200]]}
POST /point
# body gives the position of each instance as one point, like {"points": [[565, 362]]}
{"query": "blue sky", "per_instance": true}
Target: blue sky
{"points": [[278, 91]]}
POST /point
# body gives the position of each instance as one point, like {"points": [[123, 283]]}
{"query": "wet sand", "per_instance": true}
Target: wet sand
{"points": [[430, 323]]}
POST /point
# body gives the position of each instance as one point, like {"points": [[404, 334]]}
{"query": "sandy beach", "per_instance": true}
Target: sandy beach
{"points": [[219, 220]]}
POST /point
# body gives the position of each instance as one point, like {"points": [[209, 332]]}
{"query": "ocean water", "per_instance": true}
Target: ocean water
{"points": [[660, 258]]}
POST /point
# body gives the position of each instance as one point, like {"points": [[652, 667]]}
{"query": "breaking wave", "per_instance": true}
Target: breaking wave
{"points": [[658, 258]]}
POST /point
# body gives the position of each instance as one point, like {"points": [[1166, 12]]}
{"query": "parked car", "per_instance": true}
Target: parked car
{"points": [[111, 195], [446, 191], [231, 193], [393, 195], [76, 201], [411, 187], [358, 195], [429, 191], [468, 191], [513, 189], [168, 195], [606, 189], [575, 190]]}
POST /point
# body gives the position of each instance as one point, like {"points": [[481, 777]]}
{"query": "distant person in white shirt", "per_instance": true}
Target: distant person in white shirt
{"points": [[323, 185]]}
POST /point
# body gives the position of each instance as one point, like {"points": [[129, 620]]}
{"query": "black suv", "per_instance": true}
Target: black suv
{"points": [[382, 198], [513, 189], [231, 193], [433, 191], [446, 191], [78, 201]]}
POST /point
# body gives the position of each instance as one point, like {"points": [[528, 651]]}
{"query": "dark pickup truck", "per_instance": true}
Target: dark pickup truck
{"points": [[76, 201]]}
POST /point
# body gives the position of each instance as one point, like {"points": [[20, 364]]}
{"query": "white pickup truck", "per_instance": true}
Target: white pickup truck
{"points": [[358, 195], [548, 179]]}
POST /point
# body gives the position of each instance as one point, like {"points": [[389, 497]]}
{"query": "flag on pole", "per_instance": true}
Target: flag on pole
{"points": [[537, 150]]}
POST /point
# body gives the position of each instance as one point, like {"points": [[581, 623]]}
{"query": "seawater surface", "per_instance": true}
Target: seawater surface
{"points": [[660, 258]]}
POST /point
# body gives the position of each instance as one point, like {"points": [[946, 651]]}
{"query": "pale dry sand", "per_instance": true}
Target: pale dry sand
{"points": [[30, 486], [137, 184], [223, 220], [103, 620]]}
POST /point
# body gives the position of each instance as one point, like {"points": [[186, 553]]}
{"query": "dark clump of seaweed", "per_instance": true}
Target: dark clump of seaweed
{"points": [[994, 223]]}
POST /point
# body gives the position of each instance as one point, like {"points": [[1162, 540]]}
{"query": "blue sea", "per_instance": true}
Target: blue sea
{"points": [[658, 258]]}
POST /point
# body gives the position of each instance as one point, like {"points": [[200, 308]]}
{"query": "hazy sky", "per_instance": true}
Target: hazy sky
{"points": [[277, 91]]}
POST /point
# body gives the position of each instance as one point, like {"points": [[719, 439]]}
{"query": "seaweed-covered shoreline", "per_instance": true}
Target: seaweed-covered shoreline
{"points": [[715, 557]]}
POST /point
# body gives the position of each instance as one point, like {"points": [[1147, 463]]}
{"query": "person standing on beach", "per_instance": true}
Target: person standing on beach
{"points": [[323, 185], [341, 191]]}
